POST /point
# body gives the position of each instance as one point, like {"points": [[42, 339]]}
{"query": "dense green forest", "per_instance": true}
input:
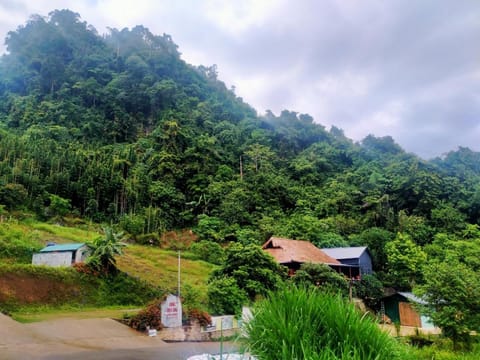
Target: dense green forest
{"points": [[118, 128]]}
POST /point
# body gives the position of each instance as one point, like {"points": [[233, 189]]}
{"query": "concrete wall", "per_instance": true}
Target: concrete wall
{"points": [[54, 259], [82, 254], [409, 330], [194, 332]]}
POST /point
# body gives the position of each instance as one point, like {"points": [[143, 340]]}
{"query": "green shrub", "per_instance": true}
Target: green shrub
{"points": [[322, 276], [370, 290], [225, 296], [18, 245], [301, 323], [254, 271], [208, 251], [132, 224]]}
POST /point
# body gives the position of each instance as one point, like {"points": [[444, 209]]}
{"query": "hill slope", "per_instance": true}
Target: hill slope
{"points": [[26, 285], [120, 129]]}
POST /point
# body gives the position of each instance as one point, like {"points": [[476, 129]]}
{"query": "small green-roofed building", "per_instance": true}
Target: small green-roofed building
{"points": [[62, 247], [61, 254], [399, 308]]}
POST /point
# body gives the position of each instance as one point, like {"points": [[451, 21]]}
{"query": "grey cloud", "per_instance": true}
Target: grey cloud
{"points": [[12, 5], [406, 48]]}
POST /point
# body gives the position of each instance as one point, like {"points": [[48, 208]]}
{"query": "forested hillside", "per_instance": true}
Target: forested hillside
{"points": [[118, 128]]}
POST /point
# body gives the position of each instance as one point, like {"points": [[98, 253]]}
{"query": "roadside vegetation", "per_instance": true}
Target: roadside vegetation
{"points": [[304, 323], [298, 322]]}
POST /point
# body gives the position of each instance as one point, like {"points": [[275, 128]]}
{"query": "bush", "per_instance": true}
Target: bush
{"points": [[322, 276], [208, 251], [210, 228], [370, 290], [58, 206], [17, 245], [13, 196], [225, 297], [300, 323], [150, 317], [132, 224], [254, 271], [203, 318]]}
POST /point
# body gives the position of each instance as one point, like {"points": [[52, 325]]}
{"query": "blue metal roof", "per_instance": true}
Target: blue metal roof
{"points": [[62, 247], [345, 252]]}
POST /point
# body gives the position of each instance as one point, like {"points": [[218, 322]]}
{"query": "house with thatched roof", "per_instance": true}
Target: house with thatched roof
{"points": [[293, 253]]}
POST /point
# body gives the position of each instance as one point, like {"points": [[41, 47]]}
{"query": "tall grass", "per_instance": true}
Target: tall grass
{"points": [[442, 349], [160, 268], [17, 244], [299, 323], [60, 233]]}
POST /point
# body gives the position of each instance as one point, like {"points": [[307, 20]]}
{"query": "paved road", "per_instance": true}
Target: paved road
{"points": [[173, 351], [90, 339]]}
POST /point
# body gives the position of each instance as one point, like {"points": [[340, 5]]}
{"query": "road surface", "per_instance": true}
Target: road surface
{"points": [[90, 339]]}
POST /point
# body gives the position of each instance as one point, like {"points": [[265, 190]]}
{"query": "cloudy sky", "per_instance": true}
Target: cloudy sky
{"points": [[409, 69]]}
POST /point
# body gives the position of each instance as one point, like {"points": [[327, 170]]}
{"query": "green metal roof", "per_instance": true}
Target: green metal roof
{"points": [[62, 247]]}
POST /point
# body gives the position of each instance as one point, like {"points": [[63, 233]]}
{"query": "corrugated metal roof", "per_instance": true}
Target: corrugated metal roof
{"points": [[62, 247], [345, 252], [300, 251], [412, 297]]}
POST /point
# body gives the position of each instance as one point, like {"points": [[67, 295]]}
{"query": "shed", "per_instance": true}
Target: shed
{"points": [[399, 308], [61, 255], [293, 253], [356, 256]]}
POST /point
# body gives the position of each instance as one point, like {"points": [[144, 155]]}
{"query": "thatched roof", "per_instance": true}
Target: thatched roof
{"points": [[287, 251]]}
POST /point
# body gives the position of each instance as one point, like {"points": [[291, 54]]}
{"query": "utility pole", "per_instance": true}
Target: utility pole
{"points": [[178, 291]]}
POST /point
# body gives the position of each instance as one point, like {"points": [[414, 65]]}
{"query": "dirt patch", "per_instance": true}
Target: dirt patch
{"points": [[181, 239], [24, 290]]}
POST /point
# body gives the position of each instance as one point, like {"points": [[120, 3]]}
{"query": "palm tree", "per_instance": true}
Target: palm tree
{"points": [[104, 250]]}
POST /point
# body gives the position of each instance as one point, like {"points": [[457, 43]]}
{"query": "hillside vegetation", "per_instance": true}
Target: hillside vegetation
{"points": [[118, 129], [146, 272]]}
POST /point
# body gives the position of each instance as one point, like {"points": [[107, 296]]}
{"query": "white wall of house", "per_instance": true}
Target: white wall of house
{"points": [[82, 254], [55, 259]]}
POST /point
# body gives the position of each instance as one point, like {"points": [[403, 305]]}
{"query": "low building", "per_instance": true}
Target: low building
{"points": [[61, 255], [400, 308], [293, 253], [356, 256]]}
